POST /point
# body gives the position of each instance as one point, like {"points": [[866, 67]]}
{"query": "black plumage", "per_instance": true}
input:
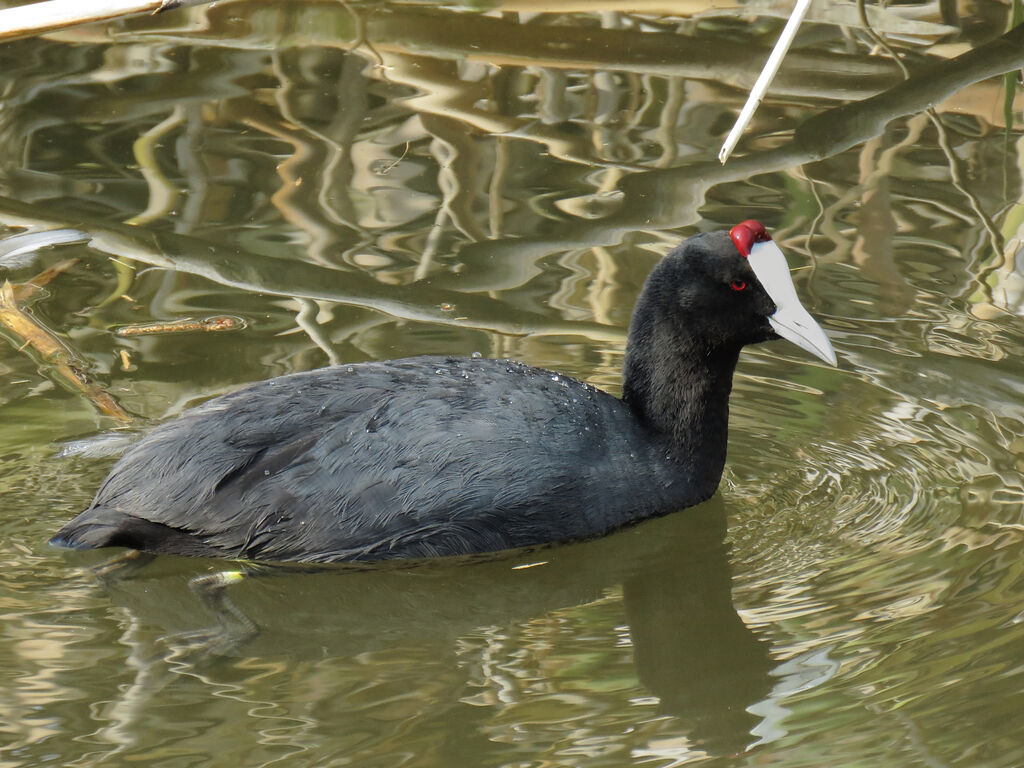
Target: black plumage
{"points": [[434, 456]]}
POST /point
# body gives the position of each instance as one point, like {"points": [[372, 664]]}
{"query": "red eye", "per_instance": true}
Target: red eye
{"points": [[738, 285]]}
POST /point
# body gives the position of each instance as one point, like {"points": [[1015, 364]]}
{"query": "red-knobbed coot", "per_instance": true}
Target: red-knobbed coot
{"points": [[434, 456]]}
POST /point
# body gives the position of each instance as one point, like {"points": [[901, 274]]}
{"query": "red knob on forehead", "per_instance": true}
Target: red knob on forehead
{"points": [[745, 234]]}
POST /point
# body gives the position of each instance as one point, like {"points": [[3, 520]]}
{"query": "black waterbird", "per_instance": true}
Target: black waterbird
{"points": [[434, 456]]}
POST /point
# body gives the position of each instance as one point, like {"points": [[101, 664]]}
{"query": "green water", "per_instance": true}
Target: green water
{"points": [[374, 181]]}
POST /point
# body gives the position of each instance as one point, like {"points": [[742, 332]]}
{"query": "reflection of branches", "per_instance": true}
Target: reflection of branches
{"points": [[306, 319], [444, 95], [361, 39], [500, 42], [364, 180], [667, 122], [844, 127], [298, 280], [670, 198], [954, 164], [459, 173], [956, 178], [495, 192], [875, 167], [405, 30], [334, 198], [193, 169], [298, 174], [408, 42], [872, 248], [458, 177], [163, 195]]}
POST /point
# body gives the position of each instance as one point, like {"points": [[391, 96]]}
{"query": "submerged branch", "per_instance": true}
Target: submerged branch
{"points": [[61, 363], [298, 280]]}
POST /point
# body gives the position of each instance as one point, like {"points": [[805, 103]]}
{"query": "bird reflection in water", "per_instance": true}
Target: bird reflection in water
{"points": [[690, 649]]}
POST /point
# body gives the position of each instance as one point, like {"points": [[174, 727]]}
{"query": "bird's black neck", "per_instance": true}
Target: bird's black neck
{"points": [[681, 392]]}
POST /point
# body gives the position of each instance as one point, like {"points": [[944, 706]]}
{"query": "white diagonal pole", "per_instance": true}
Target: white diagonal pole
{"points": [[765, 78], [40, 18]]}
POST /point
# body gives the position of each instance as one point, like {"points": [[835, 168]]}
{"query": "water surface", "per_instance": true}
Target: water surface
{"points": [[371, 181]]}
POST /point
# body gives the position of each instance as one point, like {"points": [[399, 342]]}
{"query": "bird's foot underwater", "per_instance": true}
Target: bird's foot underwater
{"points": [[233, 629]]}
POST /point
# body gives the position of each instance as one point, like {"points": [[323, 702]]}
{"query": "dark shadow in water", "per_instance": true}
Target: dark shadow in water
{"points": [[691, 649]]}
